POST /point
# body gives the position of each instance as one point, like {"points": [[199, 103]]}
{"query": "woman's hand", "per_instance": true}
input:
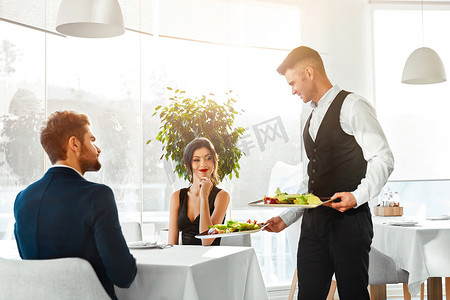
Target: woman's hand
{"points": [[205, 187]]}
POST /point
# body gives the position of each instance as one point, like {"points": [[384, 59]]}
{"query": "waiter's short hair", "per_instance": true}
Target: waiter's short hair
{"points": [[299, 55], [56, 132]]}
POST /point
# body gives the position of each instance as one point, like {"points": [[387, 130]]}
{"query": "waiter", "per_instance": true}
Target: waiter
{"points": [[349, 159]]}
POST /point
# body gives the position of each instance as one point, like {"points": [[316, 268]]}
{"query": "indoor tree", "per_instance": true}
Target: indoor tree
{"points": [[186, 118]]}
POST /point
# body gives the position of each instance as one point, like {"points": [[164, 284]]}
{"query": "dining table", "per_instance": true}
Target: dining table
{"points": [[187, 273], [420, 247]]}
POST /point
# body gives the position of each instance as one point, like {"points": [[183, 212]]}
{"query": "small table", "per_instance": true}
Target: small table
{"points": [[422, 250], [196, 272], [187, 272]]}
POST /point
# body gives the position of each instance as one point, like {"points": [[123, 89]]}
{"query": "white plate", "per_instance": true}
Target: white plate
{"points": [[403, 223], [142, 245], [260, 203], [443, 217], [205, 235]]}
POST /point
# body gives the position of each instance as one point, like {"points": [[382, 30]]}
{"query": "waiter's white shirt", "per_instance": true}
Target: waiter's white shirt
{"points": [[358, 118]]}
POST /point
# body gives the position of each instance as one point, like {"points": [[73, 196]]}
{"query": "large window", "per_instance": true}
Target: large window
{"points": [[91, 76], [22, 94], [414, 117], [119, 81]]}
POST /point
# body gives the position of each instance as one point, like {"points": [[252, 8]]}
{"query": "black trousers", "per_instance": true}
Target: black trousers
{"points": [[334, 242]]}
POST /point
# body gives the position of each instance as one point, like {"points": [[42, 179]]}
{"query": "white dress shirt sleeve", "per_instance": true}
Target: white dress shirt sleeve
{"points": [[358, 118], [291, 215]]}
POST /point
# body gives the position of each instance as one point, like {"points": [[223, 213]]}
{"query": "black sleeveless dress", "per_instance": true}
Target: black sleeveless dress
{"points": [[190, 229]]}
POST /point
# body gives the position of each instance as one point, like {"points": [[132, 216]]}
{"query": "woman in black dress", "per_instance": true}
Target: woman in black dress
{"points": [[202, 204]]}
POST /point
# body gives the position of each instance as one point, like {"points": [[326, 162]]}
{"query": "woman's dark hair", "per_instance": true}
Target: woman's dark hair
{"points": [[189, 153]]}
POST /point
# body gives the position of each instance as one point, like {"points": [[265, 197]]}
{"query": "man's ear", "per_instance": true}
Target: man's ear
{"points": [[74, 144], [309, 73]]}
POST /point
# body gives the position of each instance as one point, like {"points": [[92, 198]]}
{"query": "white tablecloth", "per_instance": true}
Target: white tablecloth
{"points": [[422, 250], [187, 272], [196, 272], [8, 249]]}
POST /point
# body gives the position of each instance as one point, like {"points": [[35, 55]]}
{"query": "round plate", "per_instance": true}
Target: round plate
{"points": [[205, 235], [403, 223], [142, 245]]}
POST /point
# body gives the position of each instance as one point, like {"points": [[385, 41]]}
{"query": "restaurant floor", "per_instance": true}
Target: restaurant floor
{"points": [[400, 297], [412, 298]]}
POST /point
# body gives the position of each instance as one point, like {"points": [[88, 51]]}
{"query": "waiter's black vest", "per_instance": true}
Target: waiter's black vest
{"points": [[336, 161]]}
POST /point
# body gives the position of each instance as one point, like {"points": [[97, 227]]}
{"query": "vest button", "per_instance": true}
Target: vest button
{"points": [[314, 171], [312, 181], [314, 160], [315, 150]]}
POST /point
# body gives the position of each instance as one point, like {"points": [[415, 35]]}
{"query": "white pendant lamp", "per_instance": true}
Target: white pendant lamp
{"points": [[90, 18], [423, 66]]}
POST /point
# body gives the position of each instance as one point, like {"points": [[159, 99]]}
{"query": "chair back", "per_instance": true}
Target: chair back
{"points": [[384, 270], [63, 279], [243, 240], [131, 231]]}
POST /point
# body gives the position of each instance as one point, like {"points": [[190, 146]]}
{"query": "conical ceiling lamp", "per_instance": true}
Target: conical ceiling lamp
{"points": [[423, 66], [90, 18]]}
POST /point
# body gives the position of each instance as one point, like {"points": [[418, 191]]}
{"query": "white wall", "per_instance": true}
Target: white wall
{"points": [[341, 32]]}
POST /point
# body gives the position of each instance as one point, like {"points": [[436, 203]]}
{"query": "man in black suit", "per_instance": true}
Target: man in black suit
{"points": [[64, 215], [348, 159]]}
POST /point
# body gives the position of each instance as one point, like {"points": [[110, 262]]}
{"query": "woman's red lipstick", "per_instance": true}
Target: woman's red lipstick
{"points": [[203, 170]]}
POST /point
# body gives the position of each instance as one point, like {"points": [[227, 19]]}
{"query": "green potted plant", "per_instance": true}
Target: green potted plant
{"points": [[185, 118]]}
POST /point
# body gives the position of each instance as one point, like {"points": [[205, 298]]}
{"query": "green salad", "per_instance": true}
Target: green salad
{"points": [[285, 198], [233, 226]]}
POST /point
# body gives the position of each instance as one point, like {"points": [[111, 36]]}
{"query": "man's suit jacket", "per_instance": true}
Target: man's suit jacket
{"points": [[64, 215]]}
